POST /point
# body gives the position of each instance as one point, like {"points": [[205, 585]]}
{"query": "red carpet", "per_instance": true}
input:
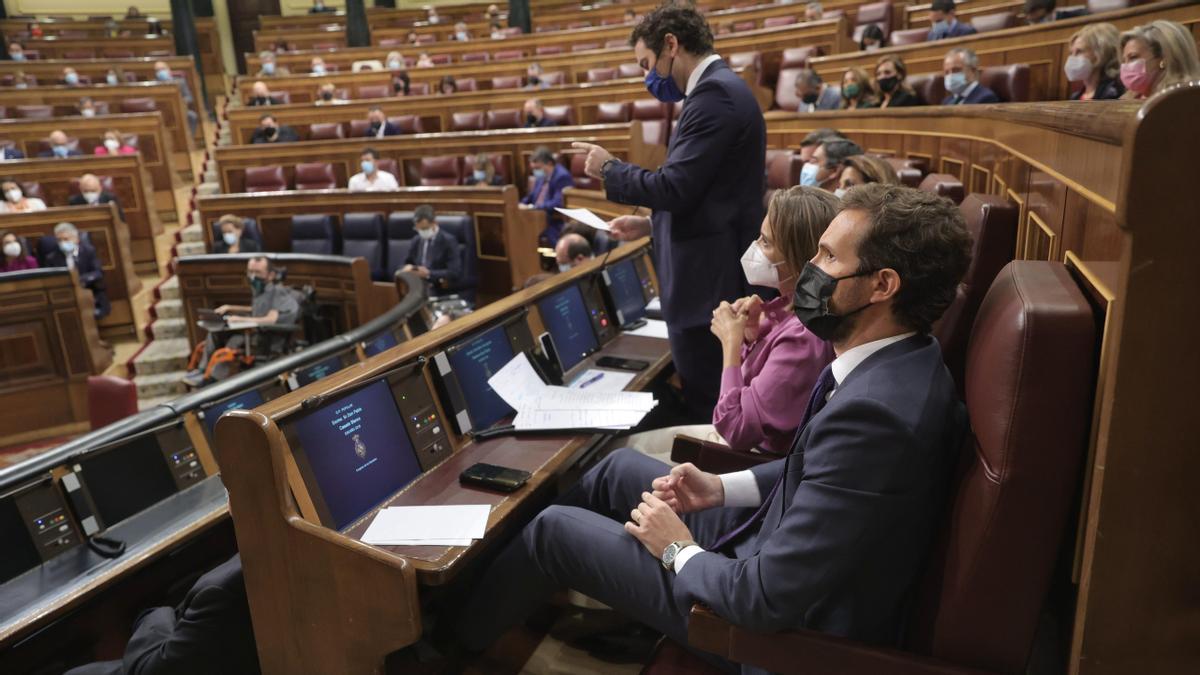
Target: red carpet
{"points": [[15, 454]]}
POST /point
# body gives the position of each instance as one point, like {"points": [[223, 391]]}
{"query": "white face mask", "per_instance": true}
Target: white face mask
{"points": [[112, 144], [839, 193], [1077, 68], [91, 197], [88, 112], [427, 233], [564, 267], [12, 249], [230, 238], [13, 195], [758, 269]]}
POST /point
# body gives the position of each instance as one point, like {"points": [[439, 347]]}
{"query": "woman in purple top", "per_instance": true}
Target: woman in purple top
{"points": [[15, 258], [771, 362]]}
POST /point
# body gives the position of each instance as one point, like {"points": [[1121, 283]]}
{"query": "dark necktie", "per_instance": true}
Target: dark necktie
{"points": [[820, 394], [425, 253]]}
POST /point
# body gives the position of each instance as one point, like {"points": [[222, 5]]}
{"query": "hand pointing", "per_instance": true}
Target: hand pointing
{"points": [[596, 157]]}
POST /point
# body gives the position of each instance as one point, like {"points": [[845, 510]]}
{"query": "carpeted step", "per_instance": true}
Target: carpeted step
{"points": [[165, 329], [191, 233], [159, 385], [163, 356], [169, 289]]}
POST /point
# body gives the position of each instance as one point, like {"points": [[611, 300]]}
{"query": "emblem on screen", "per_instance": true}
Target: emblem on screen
{"points": [[360, 448]]}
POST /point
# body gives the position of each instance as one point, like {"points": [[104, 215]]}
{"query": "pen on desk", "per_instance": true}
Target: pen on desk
{"points": [[591, 380]]}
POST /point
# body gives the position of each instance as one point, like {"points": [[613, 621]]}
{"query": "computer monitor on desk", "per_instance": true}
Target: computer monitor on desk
{"points": [[311, 373], [246, 400], [565, 317], [629, 289], [464, 368], [380, 343]]}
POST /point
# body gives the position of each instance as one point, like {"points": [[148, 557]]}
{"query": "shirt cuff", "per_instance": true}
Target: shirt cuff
{"points": [[741, 489], [685, 555]]}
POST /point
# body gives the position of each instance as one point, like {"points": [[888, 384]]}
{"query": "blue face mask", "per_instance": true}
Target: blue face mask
{"points": [[808, 175], [318, 70], [480, 176], [18, 57], [67, 247], [268, 68], [368, 167], [663, 88], [162, 75], [111, 79], [71, 78], [539, 173], [59, 150], [955, 83]]}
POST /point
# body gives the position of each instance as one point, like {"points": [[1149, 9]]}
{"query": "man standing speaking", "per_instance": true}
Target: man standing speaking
{"points": [[707, 197]]}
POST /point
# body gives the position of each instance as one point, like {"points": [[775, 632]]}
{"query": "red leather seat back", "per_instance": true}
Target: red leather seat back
{"points": [[508, 55], [777, 21], [315, 176], [1093, 6], [1011, 82], [577, 161], [944, 185], [995, 21], [783, 169], [358, 128], [281, 97], [138, 104], [375, 91], [476, 57], [585, 46], [630, 70], [110, 399], [265, 179], [506, 82], [467, 121], [467, 84], [409, 124], [440, 59], [504, 119], [909, 36], [325, 131], [33, 189], [798, 57], [34, 112], [616, 44], [445, 170], [649, 109], [1030, 375], [389, 165], [555, 78], [418, 89], [601, 74], [117, 53], [79, 54], [548, 50], [746, 60], [992, 222], [878, 13], [931, 88], [785, 89], [562, 115], [743, 26], [613, 113]]}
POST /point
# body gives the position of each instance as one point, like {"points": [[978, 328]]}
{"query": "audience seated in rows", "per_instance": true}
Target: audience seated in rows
{"points": [[824, 169], [448, 85], [91, 192], [533, 77], [260, 94], [960, 69], [483, 172], [68, 249], [1094, 62], [372, 178], [270, 131], [15, 200], [233, 236], [1155, 56], [10, 152], [378, 125], [535, 114], [268, 67], [328, 95], [1039, 11], [550, 179], [434, 255], [945, 22], [316, 66], [872, 38], [16, 254]]}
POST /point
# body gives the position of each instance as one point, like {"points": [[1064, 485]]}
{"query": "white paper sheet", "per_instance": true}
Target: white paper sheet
{"points": [[654, 305], [586, 217], [425, 542], [517, 382], [612, 381], [534, 420], [653, 328], [431, 525]]}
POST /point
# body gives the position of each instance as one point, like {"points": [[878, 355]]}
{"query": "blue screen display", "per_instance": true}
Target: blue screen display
{"points": [[247, 400], [627, 295], [474, 362], [358, 450], [379, 344], [566, 318], [316, 371]]}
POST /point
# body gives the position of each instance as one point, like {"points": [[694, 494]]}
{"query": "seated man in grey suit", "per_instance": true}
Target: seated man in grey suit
{"points": [[830, 538]]}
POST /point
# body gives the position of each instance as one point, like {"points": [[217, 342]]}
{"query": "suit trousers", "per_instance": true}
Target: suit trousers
{"points": [[696, 353], [580, 543]]}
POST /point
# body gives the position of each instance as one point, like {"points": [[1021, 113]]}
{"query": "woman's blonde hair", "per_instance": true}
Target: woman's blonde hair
{"points": [[1103, 39], [873, 169], [1172, 43], [798, 217], [233, 220], [866, 92]]}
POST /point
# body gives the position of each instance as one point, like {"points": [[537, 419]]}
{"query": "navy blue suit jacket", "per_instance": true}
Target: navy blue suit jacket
{"points": [[105, 198], [958, 29], [70, 153], [706, 196], [980, 94], [848, 531], [560, 179], [389, 129], [87, 263], [11, 153], [445, 262]]}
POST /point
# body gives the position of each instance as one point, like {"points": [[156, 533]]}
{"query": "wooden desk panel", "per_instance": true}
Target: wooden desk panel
{"points": [[131, 184], [48, 346], [65, 100], [154, 145], [110, 236], [506, 236]]}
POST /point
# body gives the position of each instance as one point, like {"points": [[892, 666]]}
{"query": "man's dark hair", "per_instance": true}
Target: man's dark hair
{"points": [[942, 6], [1034, 5], [424, 212], [923, 238], [370, 151], [542, 155], [374, 108], [271, 266], [266, 116], [679, 19], [578, 247], [819, 136], [838, 149]]}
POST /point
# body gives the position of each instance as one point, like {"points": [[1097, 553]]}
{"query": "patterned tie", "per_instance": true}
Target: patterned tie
{"points": [[544, 192], [820, 393]]}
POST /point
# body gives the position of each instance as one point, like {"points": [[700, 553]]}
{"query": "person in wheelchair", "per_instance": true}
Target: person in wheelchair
{"points": [[272, 304]]}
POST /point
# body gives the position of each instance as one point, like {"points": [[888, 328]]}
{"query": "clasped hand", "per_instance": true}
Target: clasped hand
{"points": [[737, 322], [656, 522]]}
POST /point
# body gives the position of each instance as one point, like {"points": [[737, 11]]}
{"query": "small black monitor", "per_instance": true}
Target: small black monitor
{"points": [[625, 289], [473, 363], [566, 318], [382, 342], [316, 371], [20, 553], [353, 453], [243, 401], [127, 479]]}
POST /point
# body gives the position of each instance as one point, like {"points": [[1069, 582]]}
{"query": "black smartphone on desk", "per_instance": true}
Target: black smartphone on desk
{"points": [[494, 477], [634, 365]]}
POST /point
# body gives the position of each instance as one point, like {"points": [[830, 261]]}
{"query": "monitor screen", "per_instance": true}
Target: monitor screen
{"points": [[309, 374], [127, 479], [628, 297], [245, 400], [567, 320], [381, 343], [20, 553], [357, 451], [474, 362]]}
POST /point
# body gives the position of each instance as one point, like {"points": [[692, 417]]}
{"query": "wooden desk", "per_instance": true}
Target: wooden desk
{"points": [[506, 236], [110, 237], [131, 184], [1042, 47], [154, 145], [917, 16], [65, 100], [48, 346]]}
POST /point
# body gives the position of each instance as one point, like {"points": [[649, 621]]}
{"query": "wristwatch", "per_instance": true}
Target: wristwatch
{"points": [[672, 551], [604, 166]]}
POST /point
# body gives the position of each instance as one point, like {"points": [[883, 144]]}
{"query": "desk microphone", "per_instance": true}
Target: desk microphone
{"points": [[318, 400]]}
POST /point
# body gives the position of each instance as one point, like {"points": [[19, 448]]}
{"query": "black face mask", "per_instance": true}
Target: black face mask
{"points": [[531, 121], [327, 95], [257, 285], [887, 84], [261, 100], [810, 302], [809, 98]]}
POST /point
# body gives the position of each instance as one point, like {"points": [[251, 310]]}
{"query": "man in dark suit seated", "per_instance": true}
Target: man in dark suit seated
{"points": [[60, 146], [209, 632], [550, 179], [535, 114], [270, 131], [11, 152], [67, 249], [319, 7], [434, 255], [379, 126], [830, 538], [91, 192], [945, 22], [961, 72]]}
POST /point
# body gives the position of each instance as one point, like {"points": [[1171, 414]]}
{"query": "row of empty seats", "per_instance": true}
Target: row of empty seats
{"points": [[137, 104]]}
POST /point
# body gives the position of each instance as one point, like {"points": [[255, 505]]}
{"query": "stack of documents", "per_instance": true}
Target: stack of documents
{"points": [[455, 525], [654, 328], [540, 406]]}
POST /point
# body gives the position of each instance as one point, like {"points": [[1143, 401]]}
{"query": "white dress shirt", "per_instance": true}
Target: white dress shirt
{"points": [[741, 488], [383, 182], [699, 71]]}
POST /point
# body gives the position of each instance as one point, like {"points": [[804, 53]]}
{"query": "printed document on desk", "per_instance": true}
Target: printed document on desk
{"points": [[450, 525], [541, 406], [653, 328]]}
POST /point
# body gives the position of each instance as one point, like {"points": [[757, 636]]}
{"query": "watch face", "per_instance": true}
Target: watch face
{"points": [[669, 554]]}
